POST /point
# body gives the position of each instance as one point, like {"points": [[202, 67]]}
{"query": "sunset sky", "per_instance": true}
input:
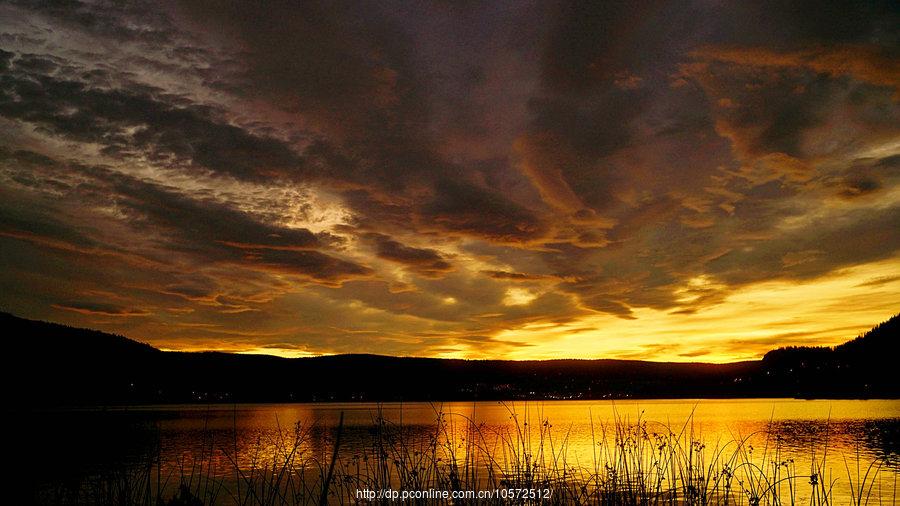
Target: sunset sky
{"points": [[688, 181]]}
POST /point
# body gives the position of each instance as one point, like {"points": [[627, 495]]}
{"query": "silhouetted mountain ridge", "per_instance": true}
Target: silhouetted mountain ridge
{"points": [[62, 339], [66, 365], [876, 343], [865, 365]]}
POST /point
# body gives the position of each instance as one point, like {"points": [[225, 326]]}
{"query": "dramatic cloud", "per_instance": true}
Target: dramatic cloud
{"points": [[481, 180], [424, 261]]}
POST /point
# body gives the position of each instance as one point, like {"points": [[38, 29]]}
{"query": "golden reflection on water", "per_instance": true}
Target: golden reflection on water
{"points": [[577, 434]]}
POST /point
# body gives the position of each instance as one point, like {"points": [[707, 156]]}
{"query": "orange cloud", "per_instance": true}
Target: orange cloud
{"points": [[543, 159], [95, 309], [864, 63]]}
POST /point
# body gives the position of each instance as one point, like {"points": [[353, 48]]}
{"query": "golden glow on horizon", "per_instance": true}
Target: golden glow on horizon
{"points": [[278, 352], [747, 324]]}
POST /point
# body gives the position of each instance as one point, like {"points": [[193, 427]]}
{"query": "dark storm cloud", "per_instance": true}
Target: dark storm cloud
{"points": [[779, 119], [865, 178], [356, 79], [456, 208], [348, 69], [424, 261], [464, 208], [138, 120], [218, 232], [5, 59], [203, 228], [816, 248], [202, 223], [348, 75], [119, 22]]}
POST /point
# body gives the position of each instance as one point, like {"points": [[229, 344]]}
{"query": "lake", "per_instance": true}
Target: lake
{"points": [[758, 447]]}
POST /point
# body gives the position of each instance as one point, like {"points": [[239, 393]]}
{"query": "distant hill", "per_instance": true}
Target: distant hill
{"points": [[50, 364], [865, 366], [882, 342], [57, 363], [62, 340]]}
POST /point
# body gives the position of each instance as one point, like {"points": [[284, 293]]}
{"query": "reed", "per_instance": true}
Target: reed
{"points": [[632, 462]]}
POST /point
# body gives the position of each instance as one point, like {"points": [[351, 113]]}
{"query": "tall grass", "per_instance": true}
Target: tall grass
{"points": [[632, 462]]}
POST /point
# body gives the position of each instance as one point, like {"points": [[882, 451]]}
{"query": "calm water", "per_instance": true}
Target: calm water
{"points": [[848, 435]]}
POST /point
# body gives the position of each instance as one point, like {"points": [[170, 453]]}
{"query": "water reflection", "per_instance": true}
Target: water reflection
{"points": [[872, 439], [225, 441]]}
